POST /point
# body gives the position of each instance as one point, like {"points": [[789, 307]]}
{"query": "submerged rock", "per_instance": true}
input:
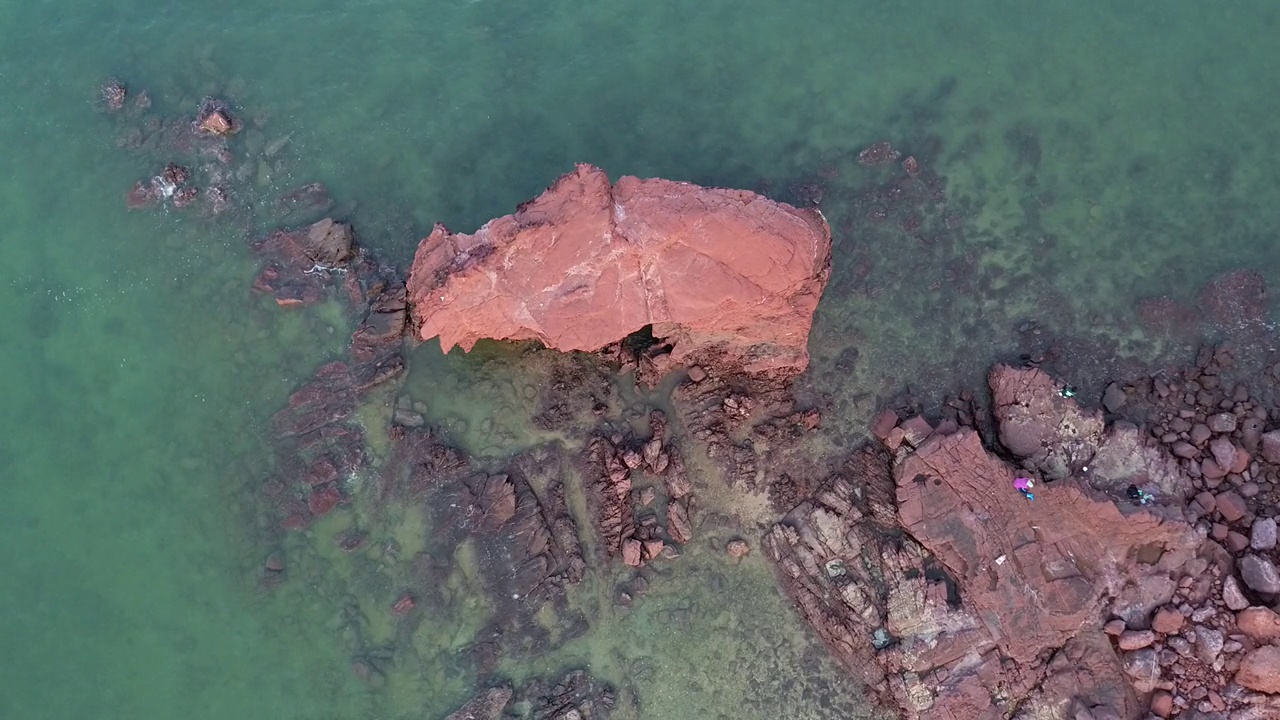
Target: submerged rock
{"points": [[588, 263], [488, 705]]}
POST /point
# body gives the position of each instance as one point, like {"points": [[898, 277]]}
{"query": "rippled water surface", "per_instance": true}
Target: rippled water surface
{"points": [[1081, 157]]}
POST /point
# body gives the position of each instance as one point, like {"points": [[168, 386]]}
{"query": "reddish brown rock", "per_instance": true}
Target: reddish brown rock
{"points": [[1259, 623], [1260, 670], [1167, 621], [1063, 553], [1231, 506], [678, 522], [1271, 446], [1161, 704], [631, 552], [1032, 581], [737, 549], [403, 605], [587, 263]]}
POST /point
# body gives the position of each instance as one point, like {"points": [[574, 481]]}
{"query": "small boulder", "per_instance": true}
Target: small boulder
{"points": [[737, 548], [884, 424], [1232, 596], [652, 549], [113, 95], [631, 549], [1231, 506], [403, 605], [1260, 670], [1200, 433], [1224, 453], [1114, 397], [1262, 536], [1259, 623], [1271, 447], [1184, 450], [1260, 574], [1222, 423], [1142, 665], [1136, 639]]}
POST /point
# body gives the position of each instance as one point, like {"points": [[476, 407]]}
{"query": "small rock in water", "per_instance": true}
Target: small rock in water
{"points": [[274, 562], [403, 605], [113, 94], [274, 147], [1263, 534], [1260, 574], [214, 118], [881, 153]]}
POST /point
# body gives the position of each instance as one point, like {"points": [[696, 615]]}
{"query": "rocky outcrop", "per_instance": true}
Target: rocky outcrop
{"points": [[989, 601], [721, 276], [627, 528], [575, 696], [488, 705], [318, 440]]}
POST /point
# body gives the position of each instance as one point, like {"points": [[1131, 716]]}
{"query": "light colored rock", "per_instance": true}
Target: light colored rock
{"points": [[1263, 534], [1136, 639], [1222, 423], [1232, 595]]}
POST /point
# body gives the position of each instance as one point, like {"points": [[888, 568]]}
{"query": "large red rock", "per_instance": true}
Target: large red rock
{"points": [[724, 276]]}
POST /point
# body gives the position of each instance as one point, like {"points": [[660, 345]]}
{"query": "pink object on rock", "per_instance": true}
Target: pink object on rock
{"points": [[1023, 484]]}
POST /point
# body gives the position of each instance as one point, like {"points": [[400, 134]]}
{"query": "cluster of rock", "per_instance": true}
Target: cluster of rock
{"points": [[576, 696], [741, 421], [626, 526], [588, 263], [973, 600], [205, 159], [318, 442]]}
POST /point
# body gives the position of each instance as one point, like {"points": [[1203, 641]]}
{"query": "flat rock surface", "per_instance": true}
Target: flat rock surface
{"points": [[726, 275]]}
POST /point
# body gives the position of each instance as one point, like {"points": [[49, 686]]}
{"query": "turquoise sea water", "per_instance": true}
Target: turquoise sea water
{"points": [[1093, 155]]}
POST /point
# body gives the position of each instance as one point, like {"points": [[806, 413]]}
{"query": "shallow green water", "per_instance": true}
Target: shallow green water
{"points": [[1097, 155]]}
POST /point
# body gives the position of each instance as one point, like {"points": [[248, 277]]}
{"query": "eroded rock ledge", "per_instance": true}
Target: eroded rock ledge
{"points": [[724, 277]]}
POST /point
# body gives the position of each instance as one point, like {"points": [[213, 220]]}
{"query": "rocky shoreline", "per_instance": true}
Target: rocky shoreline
{"points": [[975, 601], [1140, 580]]}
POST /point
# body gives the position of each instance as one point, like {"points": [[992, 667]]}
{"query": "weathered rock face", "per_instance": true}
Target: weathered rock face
{"points": [[723, 276], [1050, 432], [989, 601]]}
